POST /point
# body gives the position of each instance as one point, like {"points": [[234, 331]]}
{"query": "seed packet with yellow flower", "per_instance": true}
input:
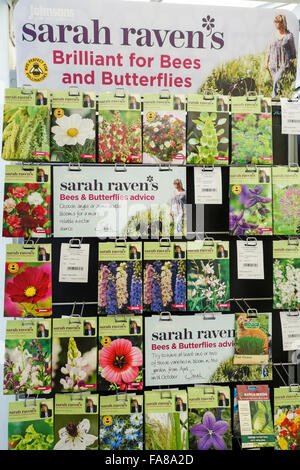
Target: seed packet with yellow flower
{"points": [[287, 417]]}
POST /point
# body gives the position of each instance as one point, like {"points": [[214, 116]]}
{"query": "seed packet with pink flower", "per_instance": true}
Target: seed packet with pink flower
{"points": [[287, 417], [27, 201], [28, 281], [286, 200], [27, 364], [119, 128], [120, 353], [209, 418], [73, 126], [164, 126]]}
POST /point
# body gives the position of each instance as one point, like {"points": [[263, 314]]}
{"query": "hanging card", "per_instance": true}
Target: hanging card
{"points": [[253, 338], [290, 326], [74, 262], [286, 200], [208, 186], [250, 259]]}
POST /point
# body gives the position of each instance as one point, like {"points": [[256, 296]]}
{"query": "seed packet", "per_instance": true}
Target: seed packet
{"points": [[250, 201], [287, 417], [74, 354], [120, 353], [166, 420], [76, 422], [26, 125], [251, 121], [164, 276], [208, 129], [27, 201], [208, 284], [121, 422], [286, 274], [164, 129], [253, 338], [28, 281], [73, 126], [286, 200], [255, 416], [119, 128], [27, 365], [30, 424], [209, 418], [120, 278]]}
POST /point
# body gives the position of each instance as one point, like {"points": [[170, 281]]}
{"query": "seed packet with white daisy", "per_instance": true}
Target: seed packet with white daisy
{"points": [[74, 354], [208, 284], [73, 126], [26, 125], [121, 422], [121, 353], [76, 422], [286, 200], [286, 274], [30, 424]]}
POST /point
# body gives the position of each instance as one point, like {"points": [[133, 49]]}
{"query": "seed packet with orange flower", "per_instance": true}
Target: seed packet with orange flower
{"points": [[287, 417]]}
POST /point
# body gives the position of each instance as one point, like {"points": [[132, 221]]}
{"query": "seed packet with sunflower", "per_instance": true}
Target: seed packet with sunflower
{"points": [[287, 417]]}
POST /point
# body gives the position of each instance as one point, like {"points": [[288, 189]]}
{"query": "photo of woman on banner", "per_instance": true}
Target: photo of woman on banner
{"points": [[178, 203]]}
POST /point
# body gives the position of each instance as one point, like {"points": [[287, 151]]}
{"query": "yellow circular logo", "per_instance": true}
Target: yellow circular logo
{"points": [[107, 420], [106, 341], [13, 268], [236, 189], [150, 116], [58, 112], [36, 69]]}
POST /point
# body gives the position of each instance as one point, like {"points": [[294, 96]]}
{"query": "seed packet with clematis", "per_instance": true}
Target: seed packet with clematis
{"points": [[164, 276], [27, 201], [209, 418], [121, 422], [287, 417], [119, 128], [166, 420], [253, 338], [73, 126], [250, 201], [76, 422], [28, 281], [251, 121], [286, 200], [30, 424], [27, 363], [74, 354], [164, 127], [286, 274], [26, 125], [208, 129]]}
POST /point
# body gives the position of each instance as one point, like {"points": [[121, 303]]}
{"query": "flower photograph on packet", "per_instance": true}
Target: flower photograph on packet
{"points": [[286, 274], [286, 200], [287, 417]]}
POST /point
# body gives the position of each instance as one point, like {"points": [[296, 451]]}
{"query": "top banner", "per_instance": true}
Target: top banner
{"points": [[147, 47]]}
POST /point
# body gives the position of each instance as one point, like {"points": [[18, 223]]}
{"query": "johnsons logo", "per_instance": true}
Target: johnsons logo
{"points": [[96, 185]]}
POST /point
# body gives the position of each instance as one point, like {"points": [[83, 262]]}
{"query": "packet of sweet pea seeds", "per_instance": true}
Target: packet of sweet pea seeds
{"points": [[253, 338], [27, 201], [164, 276], [73, 126], [287, 417], [120, 278], [27, 365], [121, 422], [74, 354], [250, 201], [26, 125], [209, 418], [251, 121], [30, 424], [286, 274], [207, 129], [286, 200], [76, 422], [164, 127], [119, 128]]}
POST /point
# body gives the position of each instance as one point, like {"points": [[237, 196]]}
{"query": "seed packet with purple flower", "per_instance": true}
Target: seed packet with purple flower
{"points": [[286, 274], [286, 200]]}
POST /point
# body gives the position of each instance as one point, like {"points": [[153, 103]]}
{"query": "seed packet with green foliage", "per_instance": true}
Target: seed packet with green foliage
{"points": [[121, 422], [287, 417], [207, 129], [209, 418], [26, 125], [253, 336], [286, 274], [251, 121], [166, 420], [119, 128], [76, 422], [30, 425], [286, 200], [73, 126]]}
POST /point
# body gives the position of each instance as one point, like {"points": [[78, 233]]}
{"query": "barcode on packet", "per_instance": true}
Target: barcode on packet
{"points": [[209, 190], [250, 265], [293, 120], [75, 268], [294, 335]]}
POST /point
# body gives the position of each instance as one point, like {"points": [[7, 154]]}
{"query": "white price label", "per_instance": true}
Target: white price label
{"points": [[250, 259], [290, 117], [74, 263], [208, 186], [290, 326]]}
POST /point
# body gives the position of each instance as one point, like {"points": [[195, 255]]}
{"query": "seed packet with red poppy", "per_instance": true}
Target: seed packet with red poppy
{"points": [[121, 422], [26, 123], [74, 354], [120, 353], [27, 201], [73, 126], [27, 364], [119, 128], [209, 418], [28, 281], [287, 417], [251, 121], [164, 127], [208, 129]]}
